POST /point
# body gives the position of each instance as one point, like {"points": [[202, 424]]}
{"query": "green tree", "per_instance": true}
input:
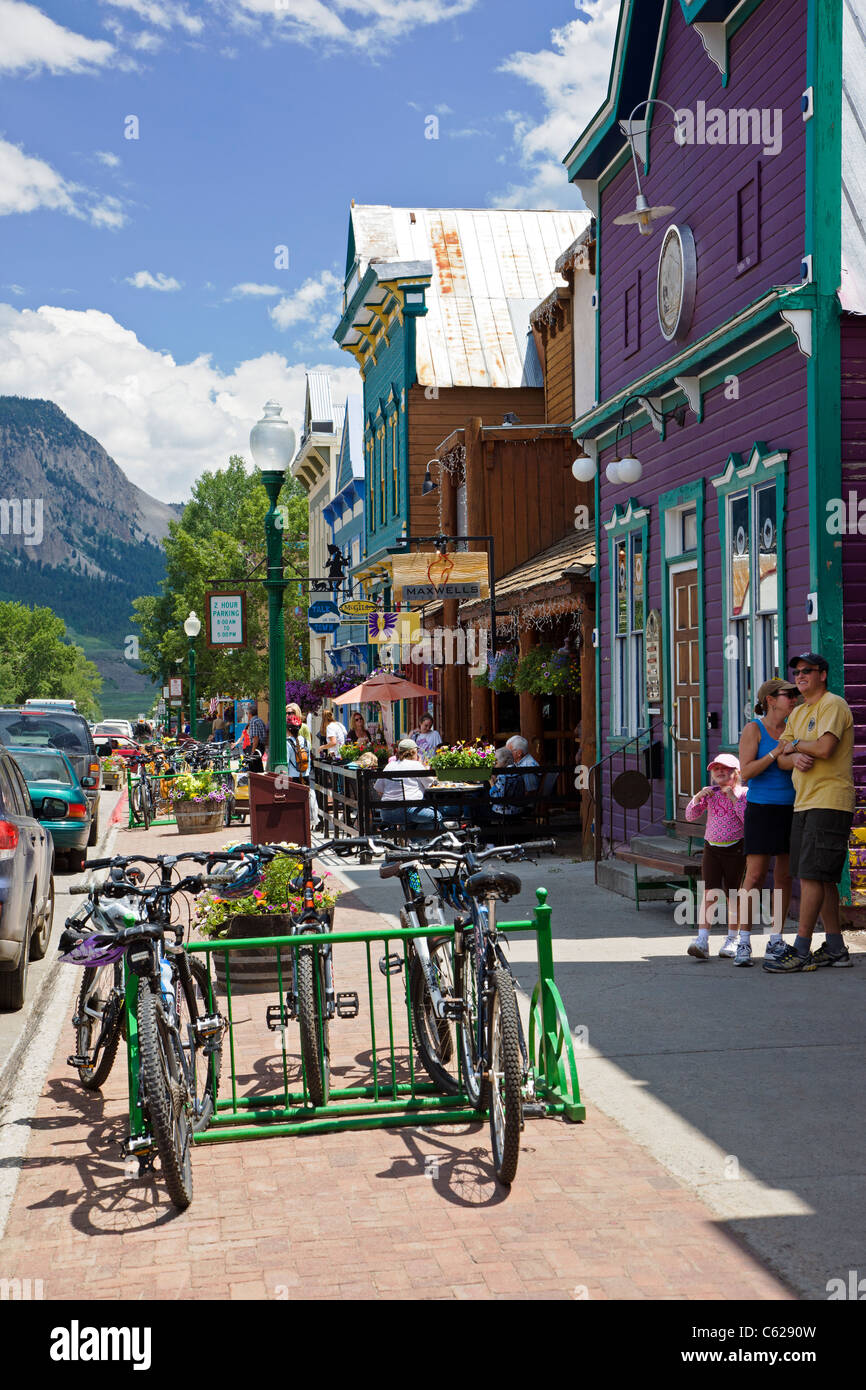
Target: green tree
{"points": [[221, 535], [38, 661]]}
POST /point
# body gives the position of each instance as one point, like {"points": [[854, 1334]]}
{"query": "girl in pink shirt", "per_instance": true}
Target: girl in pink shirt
{"points": [[724, 862]]}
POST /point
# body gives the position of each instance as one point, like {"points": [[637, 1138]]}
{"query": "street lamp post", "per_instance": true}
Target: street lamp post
{"points": [[192, 628], [272, 443]]}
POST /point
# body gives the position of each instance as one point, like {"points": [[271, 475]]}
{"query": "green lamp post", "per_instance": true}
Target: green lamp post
{"points": [[272, 444], [192, 628]]}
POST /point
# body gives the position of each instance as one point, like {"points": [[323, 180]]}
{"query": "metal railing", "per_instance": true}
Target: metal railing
{"points": [[613, 823], [394, 1090]]}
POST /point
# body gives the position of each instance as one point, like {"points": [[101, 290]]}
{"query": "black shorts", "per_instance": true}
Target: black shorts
{"points": [[819, 844], [767, 828], [723, 866]]}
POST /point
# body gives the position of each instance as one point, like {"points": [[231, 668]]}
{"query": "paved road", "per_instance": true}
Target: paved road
{"points": [[409, 1213]]}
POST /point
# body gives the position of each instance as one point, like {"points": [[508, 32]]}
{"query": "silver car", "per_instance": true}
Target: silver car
{"points": [[26, 885]]}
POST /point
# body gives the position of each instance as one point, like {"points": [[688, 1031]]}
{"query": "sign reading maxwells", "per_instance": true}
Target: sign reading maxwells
{"points": [[226, 619]]}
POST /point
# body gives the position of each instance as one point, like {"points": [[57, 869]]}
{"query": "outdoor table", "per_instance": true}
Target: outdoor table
{"points": [[453, 792]]}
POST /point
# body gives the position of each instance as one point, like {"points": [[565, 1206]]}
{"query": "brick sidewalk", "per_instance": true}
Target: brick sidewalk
{"points": [[400, 1213]]}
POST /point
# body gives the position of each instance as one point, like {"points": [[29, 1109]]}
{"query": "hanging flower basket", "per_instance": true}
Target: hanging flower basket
{"points": [[545, 671]]}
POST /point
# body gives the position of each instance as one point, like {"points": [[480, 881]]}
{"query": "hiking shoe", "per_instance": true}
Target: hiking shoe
{"points": [[774, 949], [787, 961], [729, 950], [699, 950], [822, 957], [744, 954]]}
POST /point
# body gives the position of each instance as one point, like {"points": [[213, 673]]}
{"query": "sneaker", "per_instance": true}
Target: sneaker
{"points": [[743, 955], [774, 949], [786, 961], [822, 957], [729, 950], [699, 949]]}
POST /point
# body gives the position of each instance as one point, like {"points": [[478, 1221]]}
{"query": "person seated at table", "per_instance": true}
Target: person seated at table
{"points": [[402, 797], [506, 792], [518, 747], [426, 737], [358, 731]]}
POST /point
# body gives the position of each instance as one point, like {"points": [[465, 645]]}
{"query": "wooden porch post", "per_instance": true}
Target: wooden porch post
{"points": [[480, 701], [587, 705], [449, 714], [530, 705]]}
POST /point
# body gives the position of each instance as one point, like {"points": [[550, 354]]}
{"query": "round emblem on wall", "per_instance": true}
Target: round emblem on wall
{"points": [[677, 280]]}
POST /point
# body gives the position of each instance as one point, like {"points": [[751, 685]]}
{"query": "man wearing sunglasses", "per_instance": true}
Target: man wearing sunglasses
{"points": [[819, 736]]}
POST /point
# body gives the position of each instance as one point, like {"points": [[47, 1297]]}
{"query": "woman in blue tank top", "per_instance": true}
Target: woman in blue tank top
{"points": [[769, 810]]}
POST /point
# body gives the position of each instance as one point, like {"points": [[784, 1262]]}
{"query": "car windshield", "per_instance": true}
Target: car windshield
{"points": [[66, 731], [43, 767]]}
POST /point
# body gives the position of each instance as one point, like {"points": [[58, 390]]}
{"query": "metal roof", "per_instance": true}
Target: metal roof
{"points": [[852, 292], [319, 409], [490, 268]]}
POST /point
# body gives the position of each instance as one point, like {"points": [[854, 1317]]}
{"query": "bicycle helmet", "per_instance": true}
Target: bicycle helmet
{"points": [[236, 880], [93, 949]]}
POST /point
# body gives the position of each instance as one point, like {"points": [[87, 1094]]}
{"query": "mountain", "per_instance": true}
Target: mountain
{"points": [[76, 535]]}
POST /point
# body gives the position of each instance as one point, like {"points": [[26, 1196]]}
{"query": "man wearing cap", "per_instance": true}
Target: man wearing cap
{"points": [[402, 797], [819, 736]]}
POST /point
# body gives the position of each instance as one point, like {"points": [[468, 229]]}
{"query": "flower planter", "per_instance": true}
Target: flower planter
{"points": [[463, 774], [195, 817], [255, 971]]}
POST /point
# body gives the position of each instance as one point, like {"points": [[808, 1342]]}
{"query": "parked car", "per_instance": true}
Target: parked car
{"points": [[30, 727], [113, 726], [38, 702], [117, 743], [26, 884], [58, 801]]}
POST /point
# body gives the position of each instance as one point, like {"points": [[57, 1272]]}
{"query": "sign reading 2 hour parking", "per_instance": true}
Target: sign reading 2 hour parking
{"points": [[226, 619]]}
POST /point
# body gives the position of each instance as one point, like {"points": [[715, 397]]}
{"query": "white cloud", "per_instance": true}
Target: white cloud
{"points": [[307, 303], [572, 77], [14, 289], [143, 280], [249, 288], [360, 24], [27, 183], [29, 41], [162, 421], [111, 161], [163, 14]]}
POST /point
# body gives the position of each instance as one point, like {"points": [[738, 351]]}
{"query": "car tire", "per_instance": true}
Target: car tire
{"points": [[93, 837], [40, 939], [13, 983]]}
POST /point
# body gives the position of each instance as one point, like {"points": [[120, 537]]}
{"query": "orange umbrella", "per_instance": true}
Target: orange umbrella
{"points": [[385, 689]]}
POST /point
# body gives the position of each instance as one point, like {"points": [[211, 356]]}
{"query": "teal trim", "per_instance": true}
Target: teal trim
{"points": [[771, 464], [693, 11], [654, 82], [625, 524], [616, 166], [678, 497], [579, 152], [762, 311], [596, 577], [824, 241]]}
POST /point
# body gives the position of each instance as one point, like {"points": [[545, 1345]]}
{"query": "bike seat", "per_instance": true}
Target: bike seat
{"points": [[494, 883]]}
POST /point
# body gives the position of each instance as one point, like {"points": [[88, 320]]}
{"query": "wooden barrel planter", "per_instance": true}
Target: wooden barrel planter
{"points": [[255, 971], [194, 817]]}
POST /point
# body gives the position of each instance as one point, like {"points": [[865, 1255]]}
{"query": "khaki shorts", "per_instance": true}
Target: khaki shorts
{"points": [[819, 844]]}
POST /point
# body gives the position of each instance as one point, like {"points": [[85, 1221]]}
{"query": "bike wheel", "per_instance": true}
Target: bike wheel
{"points": [[313, 1023], [466, 988], [506, 1077], [146, 804], [135, 803], [165, 1095], [99, 1010], [203, 1071], [435, 1038]]}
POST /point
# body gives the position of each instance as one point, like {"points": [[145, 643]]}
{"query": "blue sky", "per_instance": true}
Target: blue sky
{"points": [[139, 286]]}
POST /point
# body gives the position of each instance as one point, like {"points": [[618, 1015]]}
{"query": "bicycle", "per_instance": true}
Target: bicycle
{"points": [[493, 1058], [311, 998], [177, 1061]]}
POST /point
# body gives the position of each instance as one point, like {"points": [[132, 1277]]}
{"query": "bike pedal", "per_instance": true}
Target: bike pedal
{"points": [[534, 1110], [76, 1061], [391, 964], [453, 1009], [347, 1004], [276, 1017]]}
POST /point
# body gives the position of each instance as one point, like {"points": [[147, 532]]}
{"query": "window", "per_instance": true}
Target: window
{"points": [[395, 485], [631, 317], [754, 584], [372, 478], [629, 577], [689, 536], [748, 214]]}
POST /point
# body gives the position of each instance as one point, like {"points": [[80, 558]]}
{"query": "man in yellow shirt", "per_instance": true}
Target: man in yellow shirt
{"points": [[819, 736]]}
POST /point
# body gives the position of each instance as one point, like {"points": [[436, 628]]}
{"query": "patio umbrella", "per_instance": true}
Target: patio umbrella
{"points": [[386, 690]]}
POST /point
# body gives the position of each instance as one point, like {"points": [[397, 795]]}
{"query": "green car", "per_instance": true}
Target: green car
{"points": [[58, 799]]}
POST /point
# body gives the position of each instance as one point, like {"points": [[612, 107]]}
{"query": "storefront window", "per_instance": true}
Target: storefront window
{"points": [[752, 646], [628, 653]]}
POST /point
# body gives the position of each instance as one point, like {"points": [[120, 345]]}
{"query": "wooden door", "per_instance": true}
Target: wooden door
{"points": [[686, 705]]}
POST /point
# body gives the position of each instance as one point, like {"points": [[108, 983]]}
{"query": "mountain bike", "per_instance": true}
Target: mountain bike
{"points": [[177, 1055], [142, 802]]}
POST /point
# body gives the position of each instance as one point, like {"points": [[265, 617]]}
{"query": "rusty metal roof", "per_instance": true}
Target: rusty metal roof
{"points": [[490, 268], [853, 289]]}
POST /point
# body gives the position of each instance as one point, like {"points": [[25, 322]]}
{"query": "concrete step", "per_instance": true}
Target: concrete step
{"points": [[618, 877], [660, 844]]}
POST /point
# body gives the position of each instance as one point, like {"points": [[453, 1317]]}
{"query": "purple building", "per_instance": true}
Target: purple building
{"points": [[730, 374]]}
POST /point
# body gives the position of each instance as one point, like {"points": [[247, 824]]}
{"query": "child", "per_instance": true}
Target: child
{"points": [[723, 862]]}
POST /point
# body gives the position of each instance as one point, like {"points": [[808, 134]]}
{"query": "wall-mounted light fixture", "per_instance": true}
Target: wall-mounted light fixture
{"points": [[644, 215]]}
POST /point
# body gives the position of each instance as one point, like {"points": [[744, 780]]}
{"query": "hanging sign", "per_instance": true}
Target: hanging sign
{"points": [[653, 649], [437, 570], [358, 607], [425, 593], [226, 618], [323, 616], [175, 687]]}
